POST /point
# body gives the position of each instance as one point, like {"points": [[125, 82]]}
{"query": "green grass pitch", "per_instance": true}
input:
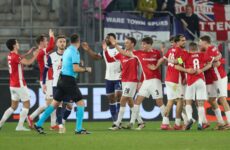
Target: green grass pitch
{"points": [[150, 138]]}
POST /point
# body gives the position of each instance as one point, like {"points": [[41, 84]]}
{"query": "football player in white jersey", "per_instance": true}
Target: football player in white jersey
{"points": [[55, 61], [112, 75]]}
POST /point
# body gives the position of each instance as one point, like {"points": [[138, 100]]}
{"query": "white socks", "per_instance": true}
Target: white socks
{"points": [[219, 116], [188, 109], [162, 108], [178, 122], [165, 120], [227, 113], [6, 115], [38, 111], [53, 118], [23, 115], [184, 116], [120, 115], [135, 113], [201, 115], [139, 119]]}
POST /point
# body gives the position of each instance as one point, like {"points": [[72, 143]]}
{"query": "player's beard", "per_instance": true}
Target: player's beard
{"points": [[182, 46], [202, 49], [60, 48]]}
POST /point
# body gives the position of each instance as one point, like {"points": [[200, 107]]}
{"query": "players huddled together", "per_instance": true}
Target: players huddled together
{"points": [[196, 74]]}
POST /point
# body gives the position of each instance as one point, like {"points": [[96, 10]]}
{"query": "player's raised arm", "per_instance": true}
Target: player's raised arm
{"points": [[90, 52], [28, 52], [120, 50], [25, 61], [51, 43], [107, 56]]}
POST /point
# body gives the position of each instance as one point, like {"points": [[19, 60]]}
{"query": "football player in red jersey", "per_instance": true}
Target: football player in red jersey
{"points": [[196, 87], [18, 87], [216, 80], [173, 82], [151, 78], [45, 47], [129, 78]]}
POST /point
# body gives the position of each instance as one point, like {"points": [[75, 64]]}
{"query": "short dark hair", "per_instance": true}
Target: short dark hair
{"points": [[112, 34], [132, 39], [10, 44], [193, 45], [40, 38], [74, 38], [206, 38], [171, 39], [147, 40], [62, 36], [178, 37]]}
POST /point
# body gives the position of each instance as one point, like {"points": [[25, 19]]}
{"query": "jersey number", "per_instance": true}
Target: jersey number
{"points": [[171, 57], [196, 64], [127, 90]]}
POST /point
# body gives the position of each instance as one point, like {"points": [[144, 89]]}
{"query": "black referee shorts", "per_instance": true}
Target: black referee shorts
{"points": [[67, 90]]}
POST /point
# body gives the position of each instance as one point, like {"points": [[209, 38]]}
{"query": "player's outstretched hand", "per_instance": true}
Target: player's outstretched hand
{"points": [[31, 50], [104, 45], [35, 53], [88, 69], [152, 67], [51, 33]]}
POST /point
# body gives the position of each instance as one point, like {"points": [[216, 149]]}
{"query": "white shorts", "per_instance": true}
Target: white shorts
{"points": [[221, 87], [196, 91], [19, 93], [129, 89], [211, 90], [49, 89], [151, 87], [174, 90], [183, 89]]}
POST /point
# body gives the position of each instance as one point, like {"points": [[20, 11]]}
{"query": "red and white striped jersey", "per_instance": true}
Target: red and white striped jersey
{"points": [[42, 59], [16, 70]]}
